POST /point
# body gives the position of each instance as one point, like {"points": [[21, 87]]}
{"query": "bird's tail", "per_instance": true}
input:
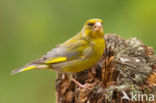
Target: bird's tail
{"points": [[29, 67]]}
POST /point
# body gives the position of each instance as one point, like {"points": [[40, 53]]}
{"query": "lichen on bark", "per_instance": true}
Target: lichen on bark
{"points": [[127, 65]]}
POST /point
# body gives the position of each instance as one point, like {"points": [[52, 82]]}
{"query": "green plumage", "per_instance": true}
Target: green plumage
{"points": [[76, 54]]}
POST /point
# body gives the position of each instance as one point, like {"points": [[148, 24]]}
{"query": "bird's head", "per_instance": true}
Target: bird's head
{"points": [[93, 28]]}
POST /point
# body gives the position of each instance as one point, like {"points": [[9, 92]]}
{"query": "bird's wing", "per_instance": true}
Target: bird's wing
{"points": [[64, 52]]}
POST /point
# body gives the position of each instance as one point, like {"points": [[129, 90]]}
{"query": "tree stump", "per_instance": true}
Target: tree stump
{"points": [[127, 67]]}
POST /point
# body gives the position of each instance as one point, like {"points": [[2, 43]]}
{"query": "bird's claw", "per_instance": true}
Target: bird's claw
{"points": [[83, 86]]}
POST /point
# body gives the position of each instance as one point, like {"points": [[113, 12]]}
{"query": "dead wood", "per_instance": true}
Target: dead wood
{"points": [[126, 66]]}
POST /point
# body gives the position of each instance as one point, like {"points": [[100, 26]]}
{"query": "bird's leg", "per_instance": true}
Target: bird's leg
{"points": [[83, 86], [78, 83]]}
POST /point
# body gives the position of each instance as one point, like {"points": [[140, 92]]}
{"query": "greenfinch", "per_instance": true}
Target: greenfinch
{"points": [[74, 55]]}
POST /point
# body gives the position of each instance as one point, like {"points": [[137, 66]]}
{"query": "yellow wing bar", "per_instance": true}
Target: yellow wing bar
{"points": [[56, 60]]}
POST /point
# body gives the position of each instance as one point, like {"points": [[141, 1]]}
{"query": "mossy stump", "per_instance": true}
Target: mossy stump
{"points": [[127, 66]]}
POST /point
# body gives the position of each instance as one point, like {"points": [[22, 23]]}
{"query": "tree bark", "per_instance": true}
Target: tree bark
{"points": [[126, 66]]}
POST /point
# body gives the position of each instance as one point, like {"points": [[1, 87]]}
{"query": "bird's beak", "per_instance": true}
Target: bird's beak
{"points": [[97, 26]]}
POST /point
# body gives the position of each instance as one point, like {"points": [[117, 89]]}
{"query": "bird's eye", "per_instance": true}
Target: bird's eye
{"points": [[90, 24]]}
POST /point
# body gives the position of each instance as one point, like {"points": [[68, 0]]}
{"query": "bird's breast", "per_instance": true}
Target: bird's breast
{"points": [[98, 46]]}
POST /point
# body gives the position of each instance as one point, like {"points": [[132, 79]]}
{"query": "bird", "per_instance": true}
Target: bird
{"points": [[79, 53]]}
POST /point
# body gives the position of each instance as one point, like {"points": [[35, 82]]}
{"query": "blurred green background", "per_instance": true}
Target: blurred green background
{"points": [[30, 28]]}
